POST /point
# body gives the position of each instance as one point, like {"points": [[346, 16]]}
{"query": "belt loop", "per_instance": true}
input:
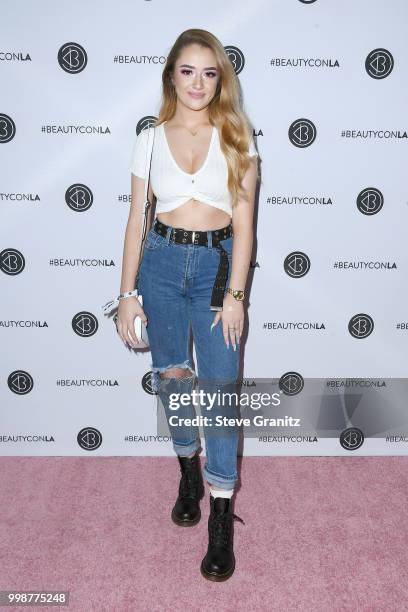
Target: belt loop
{"points": [[209, 239], [168, 234]]}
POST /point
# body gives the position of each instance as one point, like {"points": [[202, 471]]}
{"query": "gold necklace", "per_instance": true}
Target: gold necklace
{"points": [[192, 133]]}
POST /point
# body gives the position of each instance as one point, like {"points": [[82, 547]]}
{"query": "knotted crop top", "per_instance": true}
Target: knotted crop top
{"points": [[171, 185]]}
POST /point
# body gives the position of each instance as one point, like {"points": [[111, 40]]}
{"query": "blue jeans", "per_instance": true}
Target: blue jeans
{"points": [[176, 282]]}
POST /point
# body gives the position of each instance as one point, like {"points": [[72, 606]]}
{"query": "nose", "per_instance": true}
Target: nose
{"points": [[197, 81]]}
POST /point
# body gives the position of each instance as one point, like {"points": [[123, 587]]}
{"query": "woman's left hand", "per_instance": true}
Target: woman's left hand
{"points": [[232, 316]]}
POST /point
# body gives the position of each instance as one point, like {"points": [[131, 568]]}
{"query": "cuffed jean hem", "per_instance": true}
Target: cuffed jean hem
{"points": [[183, 450], [224, 482]]}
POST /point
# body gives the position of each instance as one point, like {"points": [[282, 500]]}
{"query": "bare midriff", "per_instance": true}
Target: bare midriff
{"points": [[195, 215]]}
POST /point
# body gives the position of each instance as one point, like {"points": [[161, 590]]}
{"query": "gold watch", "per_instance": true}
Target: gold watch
{"points": [[238, 294]]}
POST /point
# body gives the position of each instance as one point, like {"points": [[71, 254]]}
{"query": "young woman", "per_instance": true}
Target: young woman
{"points": [[194, 269]]}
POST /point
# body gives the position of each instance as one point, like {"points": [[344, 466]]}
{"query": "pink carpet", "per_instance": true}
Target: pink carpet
{"points": [[321, 534]]}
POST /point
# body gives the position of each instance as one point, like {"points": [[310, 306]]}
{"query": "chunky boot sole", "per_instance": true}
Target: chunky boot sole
{"points": [[216, 577], [185, 523]]}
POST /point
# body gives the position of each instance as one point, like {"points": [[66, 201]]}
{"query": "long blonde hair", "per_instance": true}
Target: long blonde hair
{"points": [[225, 111]]}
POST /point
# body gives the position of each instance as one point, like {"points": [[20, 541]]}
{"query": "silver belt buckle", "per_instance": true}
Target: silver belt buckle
{"points": [[193, 236]]}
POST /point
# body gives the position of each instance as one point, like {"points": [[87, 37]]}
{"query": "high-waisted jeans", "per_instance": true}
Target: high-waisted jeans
{"points": [[176, 282]]}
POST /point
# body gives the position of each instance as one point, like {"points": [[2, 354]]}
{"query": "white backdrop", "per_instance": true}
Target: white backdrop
{"points": [[324, 85]]}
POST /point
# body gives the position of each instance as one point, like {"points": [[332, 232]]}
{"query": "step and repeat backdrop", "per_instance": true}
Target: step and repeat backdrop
{"points": [[325, 87]]}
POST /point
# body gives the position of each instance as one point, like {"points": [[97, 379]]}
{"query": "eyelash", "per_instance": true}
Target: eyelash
{"points": [[184, 70]]}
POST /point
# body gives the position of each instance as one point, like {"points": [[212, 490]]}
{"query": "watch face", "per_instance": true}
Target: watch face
{"points": [[237, 293]]}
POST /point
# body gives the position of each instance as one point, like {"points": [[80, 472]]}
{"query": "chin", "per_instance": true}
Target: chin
{"points": [[195, 104]]}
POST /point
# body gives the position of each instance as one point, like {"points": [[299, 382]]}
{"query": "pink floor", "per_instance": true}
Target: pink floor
{"points": [[321, 534]]}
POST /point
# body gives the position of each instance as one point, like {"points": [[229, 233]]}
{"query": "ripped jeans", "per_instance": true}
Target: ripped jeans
{"points": [[176, 282]]}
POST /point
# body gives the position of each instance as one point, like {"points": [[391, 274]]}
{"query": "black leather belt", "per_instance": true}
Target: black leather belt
{"points": [[183, 236]]}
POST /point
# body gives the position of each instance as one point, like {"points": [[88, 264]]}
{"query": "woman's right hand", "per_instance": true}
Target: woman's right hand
{"points": [[129, 308]]}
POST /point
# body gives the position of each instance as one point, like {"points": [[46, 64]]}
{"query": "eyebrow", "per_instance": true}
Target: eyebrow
{"points": [[188, 66]]}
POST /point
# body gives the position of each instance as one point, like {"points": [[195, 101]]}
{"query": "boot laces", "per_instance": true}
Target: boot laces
{"points": [[189, 480], [220, 527]]}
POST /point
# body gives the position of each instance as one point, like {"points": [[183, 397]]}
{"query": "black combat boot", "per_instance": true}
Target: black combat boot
{"points": [[186, 510], [219, 562]]}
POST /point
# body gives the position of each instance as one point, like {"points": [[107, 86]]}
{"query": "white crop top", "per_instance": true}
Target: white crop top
{"points": [[171, 185]]}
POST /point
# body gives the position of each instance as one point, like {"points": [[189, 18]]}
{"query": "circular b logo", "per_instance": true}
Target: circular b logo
{"points": [[79, 197], [236, 57], [7, 128], [379, 63], [89, 438], [85, 324], [147, 384], [352, 438], [370, 201], [144, 123], [302, 133], [296, 264], [361, 326], [72, 58], [20, 382], [291, 383], [12, 262]]}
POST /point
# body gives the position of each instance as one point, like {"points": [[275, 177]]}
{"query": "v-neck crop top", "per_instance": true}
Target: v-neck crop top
{"points": [[171, 185]]}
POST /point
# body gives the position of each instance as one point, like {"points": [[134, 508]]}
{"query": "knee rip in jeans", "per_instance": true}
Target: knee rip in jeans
{"points": [[173, 371]]}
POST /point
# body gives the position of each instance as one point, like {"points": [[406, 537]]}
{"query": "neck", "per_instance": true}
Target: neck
{"points": [[190, 119]]}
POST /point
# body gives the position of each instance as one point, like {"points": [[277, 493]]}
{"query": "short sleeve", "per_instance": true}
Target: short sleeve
{"points": [[251, 149], [138, 157]]}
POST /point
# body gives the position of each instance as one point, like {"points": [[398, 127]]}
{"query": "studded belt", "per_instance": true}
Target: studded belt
{"points": [[200, 238]]}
